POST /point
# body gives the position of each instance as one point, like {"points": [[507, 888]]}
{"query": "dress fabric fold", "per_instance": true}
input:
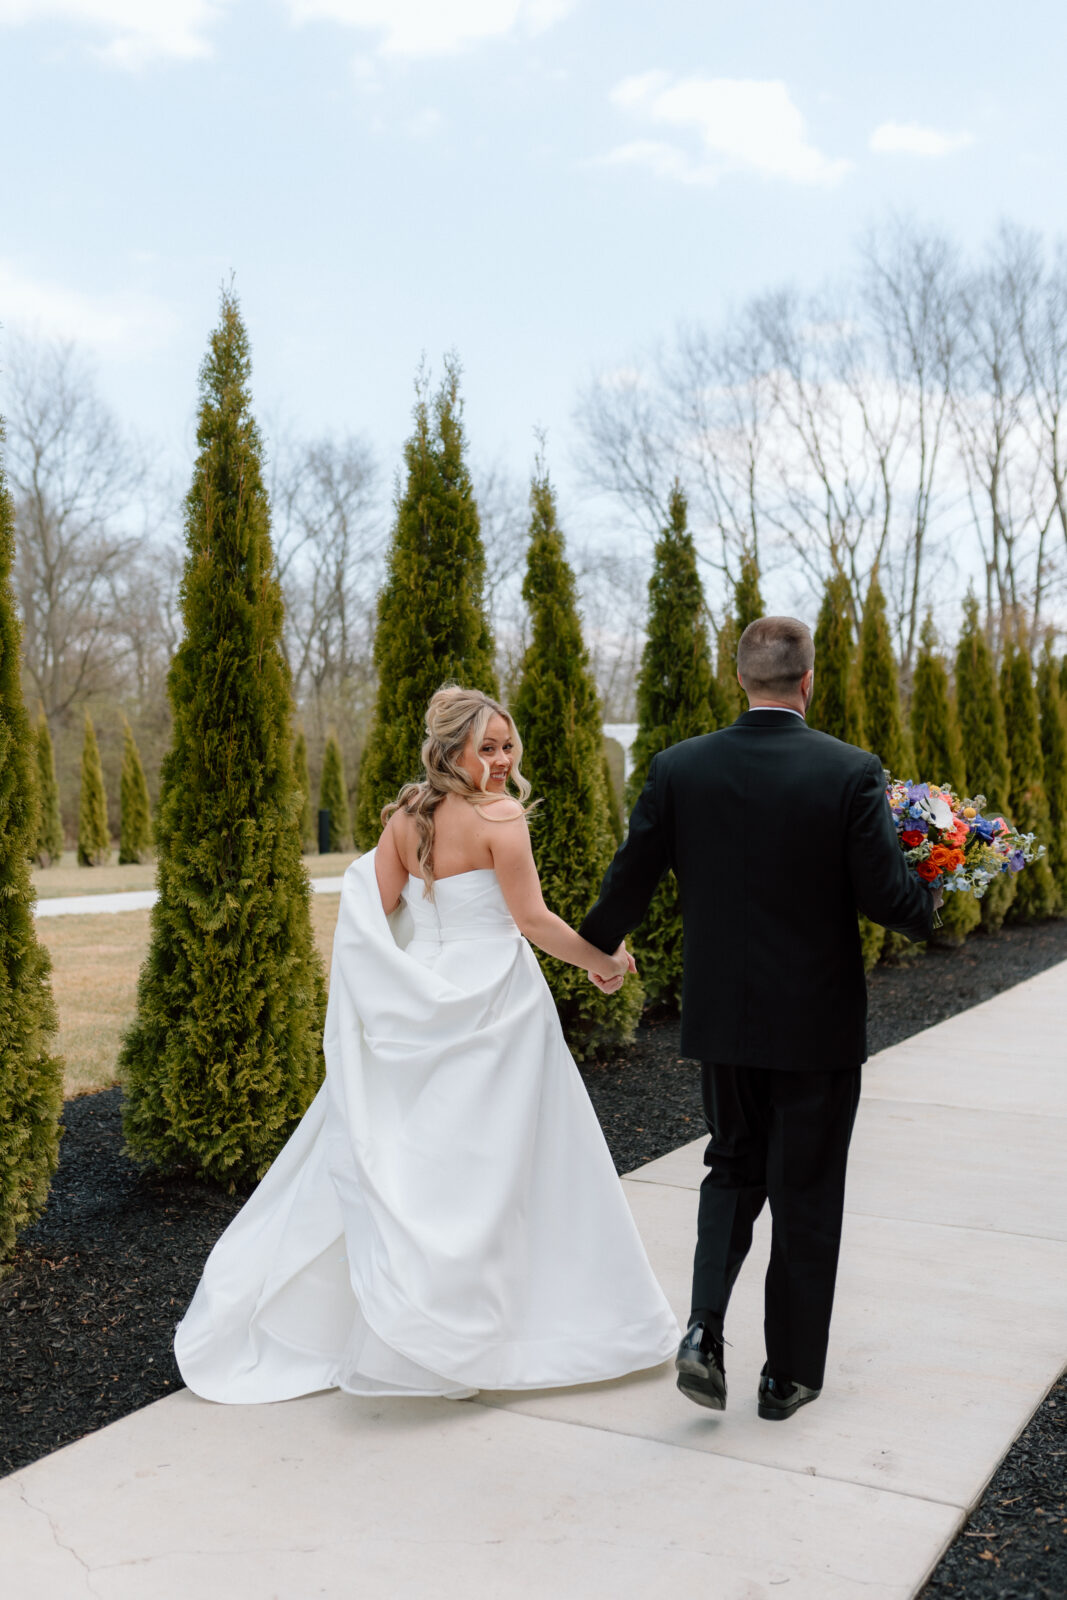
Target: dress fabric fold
{"points": [[446, 1216]]}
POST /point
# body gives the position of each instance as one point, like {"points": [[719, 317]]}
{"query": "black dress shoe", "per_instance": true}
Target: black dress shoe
{"points": [[700, 1369], [780, 1397]]}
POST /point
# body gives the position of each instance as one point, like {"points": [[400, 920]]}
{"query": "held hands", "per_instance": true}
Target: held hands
{"points": [[614, 969]]}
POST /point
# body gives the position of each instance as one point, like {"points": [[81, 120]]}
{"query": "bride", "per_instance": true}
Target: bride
{"points": [[446, 1217]]}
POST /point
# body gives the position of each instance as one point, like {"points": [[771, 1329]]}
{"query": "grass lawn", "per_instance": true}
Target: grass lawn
{"points": [[95, 962], [67, 878]]}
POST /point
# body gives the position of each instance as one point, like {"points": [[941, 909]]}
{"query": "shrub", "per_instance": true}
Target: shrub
{"points": [[557, 712], [226, 1051]]}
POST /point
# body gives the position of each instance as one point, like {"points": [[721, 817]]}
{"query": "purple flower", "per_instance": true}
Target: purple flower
{"points": [[918, 791], [1016, 861]]}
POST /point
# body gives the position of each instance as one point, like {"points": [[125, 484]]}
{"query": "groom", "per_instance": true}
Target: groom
{"points": [[778, 836]]}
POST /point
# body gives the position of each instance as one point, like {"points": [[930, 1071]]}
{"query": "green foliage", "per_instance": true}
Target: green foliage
{"points": [[94, 839], [612, 788], [674, 702], [557, 712], [135, 829], [31, 1075], [984, 743], [934, 728], [883, 724], [48, 846], [728, 698], [303, 783], [225, 1053], [1053, 713], [432, 628], [1035, 894], [872, 942], [835, 702], [333, 794], [938, 759], [983, 739], [883, 731]]}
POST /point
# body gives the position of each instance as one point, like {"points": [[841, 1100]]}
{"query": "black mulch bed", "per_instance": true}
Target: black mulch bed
{"points": [[88, 1311]]}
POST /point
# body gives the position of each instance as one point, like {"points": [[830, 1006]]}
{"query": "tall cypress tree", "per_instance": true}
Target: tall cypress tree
{"points": [[883, 734], [225, 1054], [1053, 712], [135, 829], [49, 842], [432, 627], [31, 1075], [984, 743], [939, 759], [883, 722], [1035, 894], [557, 712], [674, 691], [835, 702], [94, 836], [303, 783], [934, 727], [748, 605], [333, 794]]}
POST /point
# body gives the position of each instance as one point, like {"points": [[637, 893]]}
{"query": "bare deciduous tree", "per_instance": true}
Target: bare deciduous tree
{"points": [[77, 484]]}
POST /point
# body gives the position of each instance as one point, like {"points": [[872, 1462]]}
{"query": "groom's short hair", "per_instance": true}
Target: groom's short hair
{"points": [[773, 655]]}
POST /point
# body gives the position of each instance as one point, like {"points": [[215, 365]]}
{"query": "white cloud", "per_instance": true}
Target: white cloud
{"points": [[911, 139], [742, 124], [114, 324], [135, 31], [432, 27]]}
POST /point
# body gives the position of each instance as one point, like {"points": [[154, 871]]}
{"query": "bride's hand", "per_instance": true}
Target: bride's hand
{"points": [[609, 977]]}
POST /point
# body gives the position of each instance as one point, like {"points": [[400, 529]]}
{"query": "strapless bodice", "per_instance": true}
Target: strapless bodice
{"points": [[468, 905]]}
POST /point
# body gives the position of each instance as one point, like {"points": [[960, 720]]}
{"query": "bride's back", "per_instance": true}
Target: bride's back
{"points": [[461, 841]]}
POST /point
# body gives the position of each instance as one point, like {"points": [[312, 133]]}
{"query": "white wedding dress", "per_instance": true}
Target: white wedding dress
{"points": [[446, 1217]]}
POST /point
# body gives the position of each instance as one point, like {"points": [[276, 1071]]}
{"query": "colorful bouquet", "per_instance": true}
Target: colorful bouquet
{"points": [[950, 844]]}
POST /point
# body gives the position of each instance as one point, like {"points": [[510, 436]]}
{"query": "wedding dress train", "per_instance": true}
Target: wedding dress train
{"points": [[446, 1217]]}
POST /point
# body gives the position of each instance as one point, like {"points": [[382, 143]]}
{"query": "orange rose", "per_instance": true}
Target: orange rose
{"points": [[927, 870]]}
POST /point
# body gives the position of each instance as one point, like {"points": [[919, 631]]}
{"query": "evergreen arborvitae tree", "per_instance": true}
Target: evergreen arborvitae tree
{"points": [[984, 743], [883, 722], [939, 759], [934, 728], [303, 783], [1035, 894], [835, 701], [49, 842], [615, 821], [674, 689], [557, 712], [333, 794], [31, 1075], [1053, 712], [883, 732], [432, 627], [135, 827], [226, 1051], [731, 700], [94, 837]]}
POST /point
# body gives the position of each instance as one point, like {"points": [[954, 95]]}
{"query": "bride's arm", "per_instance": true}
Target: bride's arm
{"points": [[513, 862], [389, 870]]}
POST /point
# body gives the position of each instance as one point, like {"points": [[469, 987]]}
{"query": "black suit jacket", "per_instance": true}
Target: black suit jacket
{"points": [[777, 834]]}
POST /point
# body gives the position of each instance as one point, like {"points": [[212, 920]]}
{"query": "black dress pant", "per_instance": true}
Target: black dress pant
{"points": [[783, 1137]]}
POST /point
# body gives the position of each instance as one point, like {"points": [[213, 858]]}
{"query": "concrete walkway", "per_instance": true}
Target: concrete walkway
{"points": [[951, 1325], [136, 900]]}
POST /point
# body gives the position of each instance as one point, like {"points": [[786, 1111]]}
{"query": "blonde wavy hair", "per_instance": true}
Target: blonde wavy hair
{"points": [[452, 717]]}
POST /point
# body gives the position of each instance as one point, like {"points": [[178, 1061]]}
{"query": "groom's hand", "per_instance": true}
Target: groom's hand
{"points": [[625, 964]]}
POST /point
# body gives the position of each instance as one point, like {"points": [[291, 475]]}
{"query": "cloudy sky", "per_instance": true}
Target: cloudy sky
{"points": [[544, 185]]}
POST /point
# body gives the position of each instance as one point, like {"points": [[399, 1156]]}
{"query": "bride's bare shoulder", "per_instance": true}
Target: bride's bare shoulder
{"points": [[503, 810]]}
